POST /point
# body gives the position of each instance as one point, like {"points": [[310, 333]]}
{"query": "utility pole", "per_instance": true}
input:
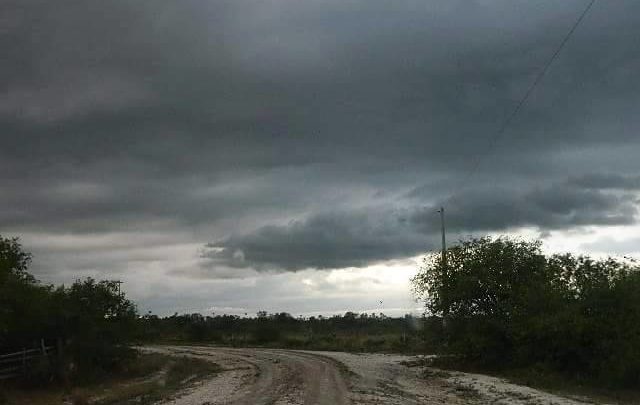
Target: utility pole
{"points": [[119, 283], [119, 303], [444, 241]]}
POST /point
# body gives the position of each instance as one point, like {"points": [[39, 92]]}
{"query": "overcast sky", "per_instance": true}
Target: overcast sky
{"points": [[232, 156]]}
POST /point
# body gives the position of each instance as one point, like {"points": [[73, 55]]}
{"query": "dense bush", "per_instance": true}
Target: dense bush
{"points": [[92, 320], [502, 303], [24, 304]]}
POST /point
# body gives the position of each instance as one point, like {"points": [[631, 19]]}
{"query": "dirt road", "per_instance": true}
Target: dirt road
{"points": [[270, 376]]}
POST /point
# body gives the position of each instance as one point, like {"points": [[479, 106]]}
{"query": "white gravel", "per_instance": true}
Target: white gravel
{"points": [[289, 377], [502, 392]]}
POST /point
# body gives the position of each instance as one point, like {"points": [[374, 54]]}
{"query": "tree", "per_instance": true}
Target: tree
{"points": [[23, 302], [94, 320], [14, 262], [97, 322], [502, 303], [486, 288]]}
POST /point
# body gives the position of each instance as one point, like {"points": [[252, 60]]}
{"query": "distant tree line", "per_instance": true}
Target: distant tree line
{"points": [[501, 303], [89, 320], [351, 331]]}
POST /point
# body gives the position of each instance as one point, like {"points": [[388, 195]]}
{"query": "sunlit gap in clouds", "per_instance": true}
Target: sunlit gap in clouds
{"points": [[381, 288]]}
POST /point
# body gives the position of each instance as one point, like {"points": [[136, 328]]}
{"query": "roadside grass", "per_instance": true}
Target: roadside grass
{"points": [[541, 378], [188, 369], [570, 387], [150, 378]]}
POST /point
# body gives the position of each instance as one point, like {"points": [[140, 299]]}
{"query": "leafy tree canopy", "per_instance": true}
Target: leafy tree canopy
{"points": [[503, 303]]}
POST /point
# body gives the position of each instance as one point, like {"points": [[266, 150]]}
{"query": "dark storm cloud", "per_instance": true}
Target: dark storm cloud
{"points": [[361, 237], [607, 181], [229, 119], [314, 81], [324, 241], [559, 206]]}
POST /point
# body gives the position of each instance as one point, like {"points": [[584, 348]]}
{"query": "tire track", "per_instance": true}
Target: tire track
{"points": [[292, 377], [277, 377]]}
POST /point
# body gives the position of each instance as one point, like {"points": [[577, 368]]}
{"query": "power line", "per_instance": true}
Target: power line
{"points": [[502, 130]]}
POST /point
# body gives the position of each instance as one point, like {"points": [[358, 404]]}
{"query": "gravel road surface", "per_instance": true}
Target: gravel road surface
{"points": [[281, 377]]}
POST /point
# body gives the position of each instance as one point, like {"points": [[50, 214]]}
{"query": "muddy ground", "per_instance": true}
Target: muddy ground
{"points": [[270, 376]]}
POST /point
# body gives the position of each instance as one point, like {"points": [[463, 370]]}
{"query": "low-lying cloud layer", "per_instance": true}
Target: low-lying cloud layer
{"points": [[360, 237], [282, 136]]}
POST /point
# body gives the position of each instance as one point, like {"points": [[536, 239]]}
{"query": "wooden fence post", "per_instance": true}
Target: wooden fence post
{"points": [[24, 361], [59, 346], [62, 372]]}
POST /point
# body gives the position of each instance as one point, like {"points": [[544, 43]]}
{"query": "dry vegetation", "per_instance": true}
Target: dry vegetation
{"points": [[149, 378]]}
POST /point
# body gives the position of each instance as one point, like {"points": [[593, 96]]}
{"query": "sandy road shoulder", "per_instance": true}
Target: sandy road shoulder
{"points": [[217, 390], [386, 379], [289, 377]]}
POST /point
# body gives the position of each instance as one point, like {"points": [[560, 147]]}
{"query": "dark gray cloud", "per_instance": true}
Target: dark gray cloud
{"points": [[360, 237], [324, 241], [607, 181], [311, 134], [224, 86], [555, 207]]}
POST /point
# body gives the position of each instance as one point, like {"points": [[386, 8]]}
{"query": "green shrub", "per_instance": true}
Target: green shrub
{"points": [[503, 304], [266, 334]]}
